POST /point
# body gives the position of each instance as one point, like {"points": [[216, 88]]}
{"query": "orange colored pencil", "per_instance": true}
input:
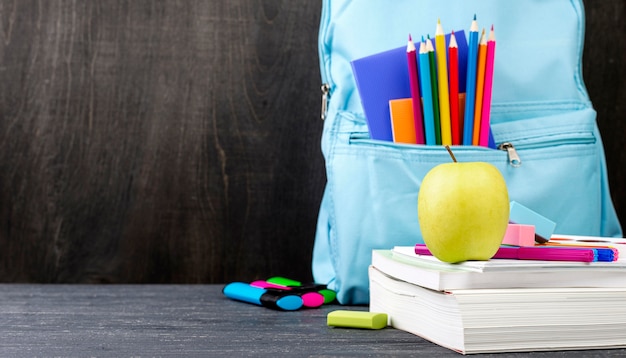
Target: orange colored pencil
{"points": [[453, 71], [480, 85]]}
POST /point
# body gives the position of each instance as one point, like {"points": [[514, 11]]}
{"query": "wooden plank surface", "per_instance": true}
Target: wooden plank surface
{"points": [[188, 321], [178, 141]]}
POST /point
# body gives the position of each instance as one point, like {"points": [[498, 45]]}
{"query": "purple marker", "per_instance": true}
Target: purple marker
{"points": [[259, 296]]}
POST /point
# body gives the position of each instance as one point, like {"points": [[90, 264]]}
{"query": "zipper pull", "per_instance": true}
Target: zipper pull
{"points": [[514, 159], [325, 95]]}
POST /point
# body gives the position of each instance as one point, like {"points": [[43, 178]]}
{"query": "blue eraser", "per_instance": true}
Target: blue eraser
{"points": [[544, 227]]}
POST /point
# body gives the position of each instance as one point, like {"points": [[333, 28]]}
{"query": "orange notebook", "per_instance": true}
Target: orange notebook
{"points": [[402, 120]]}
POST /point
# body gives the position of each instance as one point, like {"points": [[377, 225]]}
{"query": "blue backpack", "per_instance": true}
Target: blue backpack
{"points": [[539, 104]]}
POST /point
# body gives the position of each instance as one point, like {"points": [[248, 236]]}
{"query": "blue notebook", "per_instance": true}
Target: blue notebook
{"points": [[385, 76]]}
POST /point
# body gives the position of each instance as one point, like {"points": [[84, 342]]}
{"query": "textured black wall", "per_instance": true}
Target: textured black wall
{"points": [[178, 141]]}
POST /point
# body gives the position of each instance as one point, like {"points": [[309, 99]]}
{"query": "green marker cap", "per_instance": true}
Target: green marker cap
{"points": [[329, 295], [277, 280]]}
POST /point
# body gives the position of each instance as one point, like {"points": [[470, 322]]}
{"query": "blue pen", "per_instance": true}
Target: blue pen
{"points": [[425, 82], [470, 90], [259, 296]]}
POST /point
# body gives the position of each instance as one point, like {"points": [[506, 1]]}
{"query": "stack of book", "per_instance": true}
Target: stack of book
{"points": [[503, 305]]}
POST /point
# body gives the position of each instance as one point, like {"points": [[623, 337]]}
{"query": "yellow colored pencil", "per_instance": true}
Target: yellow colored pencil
{"points": [[442, 76], [480, 85]]}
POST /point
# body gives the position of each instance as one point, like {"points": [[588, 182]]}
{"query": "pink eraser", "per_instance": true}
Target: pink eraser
{"points": [[519, 235]]}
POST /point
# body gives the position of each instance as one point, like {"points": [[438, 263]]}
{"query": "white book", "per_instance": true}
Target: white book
{"points": [[503, 320], [428, 271]]}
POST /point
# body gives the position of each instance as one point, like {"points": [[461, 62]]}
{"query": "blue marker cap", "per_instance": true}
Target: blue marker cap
{"points": [[282, 301], [244, 292]]}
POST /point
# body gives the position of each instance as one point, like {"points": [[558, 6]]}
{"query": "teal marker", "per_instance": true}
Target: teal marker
{"points": [[259, 296]]}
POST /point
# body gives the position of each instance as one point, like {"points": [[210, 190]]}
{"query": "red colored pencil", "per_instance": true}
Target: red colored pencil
{"points": [[453, 71]]}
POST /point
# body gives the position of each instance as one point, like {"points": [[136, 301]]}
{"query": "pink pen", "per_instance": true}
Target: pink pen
{"points": [[546, 254], [534, 253]]}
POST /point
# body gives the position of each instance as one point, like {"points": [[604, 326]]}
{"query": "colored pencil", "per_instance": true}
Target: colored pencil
{"points": [[424, 74], [456, 125], [480, 85], [416, 97], [442, 76], [433, 83], [470, 91], [485, 118]]}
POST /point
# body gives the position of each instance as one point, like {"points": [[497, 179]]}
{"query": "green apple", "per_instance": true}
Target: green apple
{"points": [[463, 211]]}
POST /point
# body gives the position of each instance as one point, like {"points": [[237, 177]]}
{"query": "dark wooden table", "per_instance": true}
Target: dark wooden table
{"points": [[189, 321]]}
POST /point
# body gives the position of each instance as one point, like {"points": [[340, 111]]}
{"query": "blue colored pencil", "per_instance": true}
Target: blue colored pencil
{"points": [[470, 91], [425, 81], [435, 89]]}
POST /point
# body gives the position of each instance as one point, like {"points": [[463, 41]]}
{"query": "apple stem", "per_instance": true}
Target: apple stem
{"points": [[450, 152]]}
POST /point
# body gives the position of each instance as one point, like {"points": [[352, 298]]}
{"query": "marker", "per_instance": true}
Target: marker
{"points": [[283, 281], [265, 284], [297, 287], [262, 297]]}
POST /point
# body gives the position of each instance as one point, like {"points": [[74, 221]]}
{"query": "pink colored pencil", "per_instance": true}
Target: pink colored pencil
{"points": [[485, 119], [411, 56], [453, 63]]}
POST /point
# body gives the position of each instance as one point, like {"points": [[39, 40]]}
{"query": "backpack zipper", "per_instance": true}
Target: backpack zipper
{"points": [[514, 159], [513, 156], [566, 139], [325, 95]]}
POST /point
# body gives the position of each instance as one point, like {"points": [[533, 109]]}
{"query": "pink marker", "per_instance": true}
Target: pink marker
{"points": [[265, 284], [312, 299]]}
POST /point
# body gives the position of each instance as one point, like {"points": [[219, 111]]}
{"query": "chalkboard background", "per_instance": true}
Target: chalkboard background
{"points": [[178, 141]]}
